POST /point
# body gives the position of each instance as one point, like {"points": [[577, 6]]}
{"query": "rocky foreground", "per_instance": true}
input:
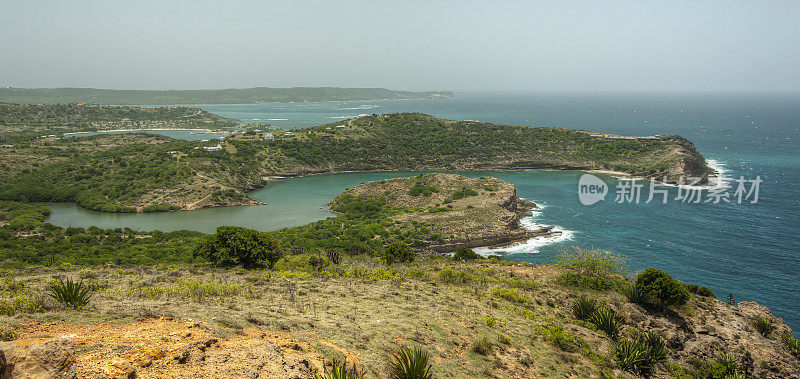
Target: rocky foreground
{"points": [[480, 319]]}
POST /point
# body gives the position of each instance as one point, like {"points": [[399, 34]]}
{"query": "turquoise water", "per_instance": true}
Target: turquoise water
{"points": [[749, 250]]}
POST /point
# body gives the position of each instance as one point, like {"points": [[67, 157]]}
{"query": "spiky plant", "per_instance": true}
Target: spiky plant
{"points": [[793, 344], [635, 293], [729, 362], [631, 356], [583, 308], [410, 363], [606, 321], [656, 348], [763, 326], [70, 293], [339, 370]]}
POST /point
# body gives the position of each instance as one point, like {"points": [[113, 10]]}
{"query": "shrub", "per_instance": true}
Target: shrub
{"points": [[398, 252], [482, 346], [503, 339], [661, 288], [234, 245], [489, 320], [560, 337], [71, 294], [511, 295], [7, 333], [410, 363], [702, 291], [583, 308], [340, 371], [591, 269], [607, 321], [793, 344], [465, 254], [763, 326]]}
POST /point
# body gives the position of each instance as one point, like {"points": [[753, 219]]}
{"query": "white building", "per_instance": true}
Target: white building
{"points": [[213, 148]]}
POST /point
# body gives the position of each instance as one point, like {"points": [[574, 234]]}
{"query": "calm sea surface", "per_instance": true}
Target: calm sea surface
{"points": [[749, 250]]}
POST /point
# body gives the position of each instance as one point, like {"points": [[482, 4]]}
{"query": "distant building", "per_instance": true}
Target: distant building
{"points": [[326, 135], [213, 148], [269, 137], [288, 134], [389, 113], [341, 126]]}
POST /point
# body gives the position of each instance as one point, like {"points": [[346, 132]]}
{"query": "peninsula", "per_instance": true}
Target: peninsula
{"points": [[135, 173]]}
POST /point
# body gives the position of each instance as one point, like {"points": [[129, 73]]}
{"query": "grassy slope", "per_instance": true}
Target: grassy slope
{"points": [[220, 96], [362, 309], [130, 175]]}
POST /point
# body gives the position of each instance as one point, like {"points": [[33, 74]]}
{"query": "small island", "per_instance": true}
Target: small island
{"points": [[460, 211]]}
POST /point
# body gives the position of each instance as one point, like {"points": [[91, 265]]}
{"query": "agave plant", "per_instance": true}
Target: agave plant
{"points": [[635, 293], [793, 344], [340, 371], [410, 363], [70, 293], [606, 321], [729, 362], [583, 308], [656, 349], [631, 356]]}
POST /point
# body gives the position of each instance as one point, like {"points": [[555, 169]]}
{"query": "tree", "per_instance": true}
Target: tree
{"points": [[398, 252], [237, 246], [662, 288], [465, 254]]}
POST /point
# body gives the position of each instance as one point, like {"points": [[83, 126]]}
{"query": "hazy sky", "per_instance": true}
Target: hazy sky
{"points": [[413, 45]]}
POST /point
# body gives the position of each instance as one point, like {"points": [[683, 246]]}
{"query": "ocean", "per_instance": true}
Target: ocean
{"points": [[750, 250]]}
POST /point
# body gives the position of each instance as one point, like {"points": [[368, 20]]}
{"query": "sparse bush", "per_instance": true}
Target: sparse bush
{"points": [[583, 308], [511, 295], [70, 293], [702, 291], [465, 254], [340, 371], [410, 363], [334, 256], [489, 320], [607, 321], [7, 333], [661, 288], [482, 346], [503, 339], [591, 269], [398, 252], [559, 337], [763, 326]]}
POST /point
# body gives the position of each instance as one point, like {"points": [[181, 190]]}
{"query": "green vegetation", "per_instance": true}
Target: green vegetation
{"points": [[410, 363], [340, 370], [70, 293], [420, 188], [607, 321], [641, 354], [482, 346], [465, 254], [702, 291], [591, 269], [662, 289], [792, 343], [161, 174], [237, 246], [398, 252], [583, 308], [21, 120], [763, 326], [214, 96]]}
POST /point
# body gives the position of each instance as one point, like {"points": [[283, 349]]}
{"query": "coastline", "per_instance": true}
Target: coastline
{"points": [[215, 131]]}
